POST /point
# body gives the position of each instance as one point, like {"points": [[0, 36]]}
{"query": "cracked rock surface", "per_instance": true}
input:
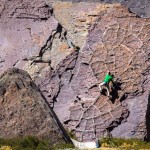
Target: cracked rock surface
{"points": [[31, 38], [117, 41], [39, 37], [140, 7], [23, 110]]}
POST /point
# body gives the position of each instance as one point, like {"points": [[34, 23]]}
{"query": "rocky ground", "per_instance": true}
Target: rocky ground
{"points": [[39, 38]]}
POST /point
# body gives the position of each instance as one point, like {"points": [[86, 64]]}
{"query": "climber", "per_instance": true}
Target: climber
{"points": [[106, 82]]}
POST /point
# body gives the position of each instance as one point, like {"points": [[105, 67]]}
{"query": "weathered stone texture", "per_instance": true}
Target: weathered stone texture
{"points": [[76, 18], [140, 7], [30, 37], [110, 38], [23, 110], [118, 41]]}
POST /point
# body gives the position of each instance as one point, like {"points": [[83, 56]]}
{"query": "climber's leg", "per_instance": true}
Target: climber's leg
{"points": [[100, 85], [108, 89]]}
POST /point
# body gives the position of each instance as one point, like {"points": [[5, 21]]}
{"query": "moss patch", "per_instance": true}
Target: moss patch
{"points": [[128, 144], [31, 143]]}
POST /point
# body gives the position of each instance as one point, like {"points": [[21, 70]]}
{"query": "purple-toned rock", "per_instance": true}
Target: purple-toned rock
{"points": [[30, 37], [140, 7], [118, 42]]}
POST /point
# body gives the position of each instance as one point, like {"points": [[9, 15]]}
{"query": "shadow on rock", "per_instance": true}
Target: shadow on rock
{"points": [[147, 138], [114, 92], [115, 89]]}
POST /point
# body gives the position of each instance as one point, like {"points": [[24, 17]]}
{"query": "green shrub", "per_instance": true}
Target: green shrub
{"points": [[26, 143], [32, 143], [71, 135], [127, 144]]}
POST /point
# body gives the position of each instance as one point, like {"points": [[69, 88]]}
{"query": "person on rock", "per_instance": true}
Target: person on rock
{"points": [[106, 82]]}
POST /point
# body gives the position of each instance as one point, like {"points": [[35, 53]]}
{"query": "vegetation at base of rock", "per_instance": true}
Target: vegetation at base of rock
{"points": [[128, 144], [31, 143], [5, 148], [71, 134]]}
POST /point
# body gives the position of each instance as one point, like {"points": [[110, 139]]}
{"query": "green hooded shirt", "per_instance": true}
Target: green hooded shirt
{"points": [[108, 78]]}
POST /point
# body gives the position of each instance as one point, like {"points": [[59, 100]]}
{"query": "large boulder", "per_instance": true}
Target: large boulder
{"points": [[24, 110], [118, 42]]}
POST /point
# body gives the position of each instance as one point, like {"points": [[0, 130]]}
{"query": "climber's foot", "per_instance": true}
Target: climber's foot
{"points": [[110, 97]]}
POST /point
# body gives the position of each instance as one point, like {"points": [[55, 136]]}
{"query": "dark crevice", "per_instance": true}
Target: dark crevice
{"points": [[93, 86], [71, 77], [123, 97], [147, 137], [59, 28], [85, 63], [45, 46], [54, 99], [79, 98], [15, 63], [60, 76], [44, 19], [65, 33], [118, 121], [69, 69], [51, 11], [66, 121], [49, 41], [17, 85]]}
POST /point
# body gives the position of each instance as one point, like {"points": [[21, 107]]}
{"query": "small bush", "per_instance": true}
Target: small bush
{"points": [[127, 144], [31, 143], [71, 135], [5, 148], [26, 143]]}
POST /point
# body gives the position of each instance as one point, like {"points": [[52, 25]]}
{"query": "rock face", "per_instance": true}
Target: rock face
{"points": [[34, 38], [118, 42], [23, 109], [31, 38], [78, 18], [140, 7]]}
